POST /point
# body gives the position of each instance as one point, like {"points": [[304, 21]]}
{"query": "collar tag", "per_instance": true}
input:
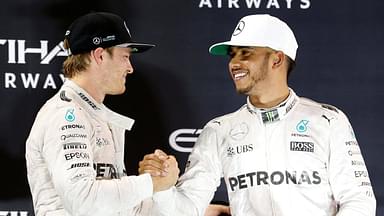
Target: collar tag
{"points": [[270, 116]]}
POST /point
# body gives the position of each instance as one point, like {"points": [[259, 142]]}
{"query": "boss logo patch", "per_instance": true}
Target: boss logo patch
{"points": [[302, 146]]}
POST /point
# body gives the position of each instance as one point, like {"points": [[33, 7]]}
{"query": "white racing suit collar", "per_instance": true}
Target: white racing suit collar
{"points": [[71, 90], [275, 113]]}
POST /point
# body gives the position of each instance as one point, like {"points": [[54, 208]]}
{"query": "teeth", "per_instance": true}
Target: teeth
{"points": [[239, 75]]}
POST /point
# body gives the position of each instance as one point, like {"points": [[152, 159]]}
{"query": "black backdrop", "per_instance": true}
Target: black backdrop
{"points": [[177, 87]]}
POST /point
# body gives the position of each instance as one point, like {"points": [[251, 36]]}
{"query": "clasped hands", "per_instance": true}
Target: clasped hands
{"points": [[163, 169], [165, 172]]}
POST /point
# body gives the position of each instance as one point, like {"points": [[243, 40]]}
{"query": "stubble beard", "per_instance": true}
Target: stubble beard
{"points": [[254, 80]]}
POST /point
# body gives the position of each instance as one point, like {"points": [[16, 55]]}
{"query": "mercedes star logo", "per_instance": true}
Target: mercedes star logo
{"points": [[96, 40], [239, 28]]}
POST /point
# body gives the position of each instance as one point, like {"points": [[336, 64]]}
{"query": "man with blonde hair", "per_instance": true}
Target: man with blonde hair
{"points": [[75, 150]]}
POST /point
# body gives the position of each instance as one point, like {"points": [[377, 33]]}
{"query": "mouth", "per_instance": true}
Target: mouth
{"points": [[125, 75], [124, 79], [238, 75]]}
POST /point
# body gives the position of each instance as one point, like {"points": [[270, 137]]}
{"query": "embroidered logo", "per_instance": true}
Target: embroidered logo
{"points": [[70, 116], [302, 126], [302, 146], [100, 142], [270, 116], [239, 28], [230, 151], [239, 131]]}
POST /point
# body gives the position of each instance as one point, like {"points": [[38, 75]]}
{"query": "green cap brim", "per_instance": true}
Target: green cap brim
{"points": [[219, 49]]}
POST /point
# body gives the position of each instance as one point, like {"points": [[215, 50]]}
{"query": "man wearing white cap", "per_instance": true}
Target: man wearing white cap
{"points": [[279, 154]]}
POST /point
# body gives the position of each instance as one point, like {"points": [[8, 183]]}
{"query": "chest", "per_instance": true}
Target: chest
{"points": [[290, 146], [105, 155]]}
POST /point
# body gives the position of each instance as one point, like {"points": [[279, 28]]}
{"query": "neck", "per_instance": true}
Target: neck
{"points": [[90, 86], [269, 97]]}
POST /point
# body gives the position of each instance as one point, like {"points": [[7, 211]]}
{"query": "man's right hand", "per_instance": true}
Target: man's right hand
{"points": [[163, 169], [217, 210]]}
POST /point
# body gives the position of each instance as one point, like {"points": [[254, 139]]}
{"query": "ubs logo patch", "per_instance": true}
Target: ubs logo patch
{"points": [[240, 149]]}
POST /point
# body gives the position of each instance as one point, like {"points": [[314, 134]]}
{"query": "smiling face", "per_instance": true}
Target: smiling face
{"points": [[116, 67], [248, 67]]}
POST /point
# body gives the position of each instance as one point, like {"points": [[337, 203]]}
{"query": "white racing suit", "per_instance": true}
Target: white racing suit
{"points": [[298, 159], [75, 163]]}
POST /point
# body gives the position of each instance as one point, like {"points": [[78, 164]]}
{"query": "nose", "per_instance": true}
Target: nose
{"points": [[234, 64], [129, 67]]}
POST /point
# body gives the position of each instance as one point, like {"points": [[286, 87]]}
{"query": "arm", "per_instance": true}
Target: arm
{"points": [[197, 185], [71, 167], [348, 174], [217, 209]]}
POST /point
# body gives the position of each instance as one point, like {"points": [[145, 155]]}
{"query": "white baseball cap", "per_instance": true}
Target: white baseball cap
{"points": [[261, 30]]}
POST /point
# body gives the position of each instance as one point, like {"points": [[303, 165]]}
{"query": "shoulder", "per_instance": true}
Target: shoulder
{"points": [[62, 109], [228, 119], [317, 106], [321, 109]]}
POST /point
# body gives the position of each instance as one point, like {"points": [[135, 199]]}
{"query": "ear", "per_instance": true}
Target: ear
{"points": [[278, 58], [97, 55]]}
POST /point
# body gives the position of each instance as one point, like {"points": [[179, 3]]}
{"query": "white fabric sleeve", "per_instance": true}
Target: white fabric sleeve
{"points": [[348, 174], [74, 177], [196, 187]]}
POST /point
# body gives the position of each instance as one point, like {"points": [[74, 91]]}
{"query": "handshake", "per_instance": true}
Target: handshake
{"points": [[165, 172], [163, 169]]}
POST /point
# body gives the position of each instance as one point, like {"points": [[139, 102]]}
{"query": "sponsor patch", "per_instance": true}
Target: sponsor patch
{"points": [[101, 141], [302, 146], [361, 174], [70, 115], [63, 97], [74, 145], [72, 126], [253, 179], [67, 136], [270, 116], [302, 126], [88, 101], [105, 171], [239, 131], [240, 149], [77, 165], [77, 155], [329, 107], [357, 163]]}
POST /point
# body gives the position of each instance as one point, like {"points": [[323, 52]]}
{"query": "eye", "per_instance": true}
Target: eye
{"points": [[231, 54], [245, 52]]}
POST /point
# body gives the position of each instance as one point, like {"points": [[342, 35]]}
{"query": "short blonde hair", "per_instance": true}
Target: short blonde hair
{"points": [[75, 64]]}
